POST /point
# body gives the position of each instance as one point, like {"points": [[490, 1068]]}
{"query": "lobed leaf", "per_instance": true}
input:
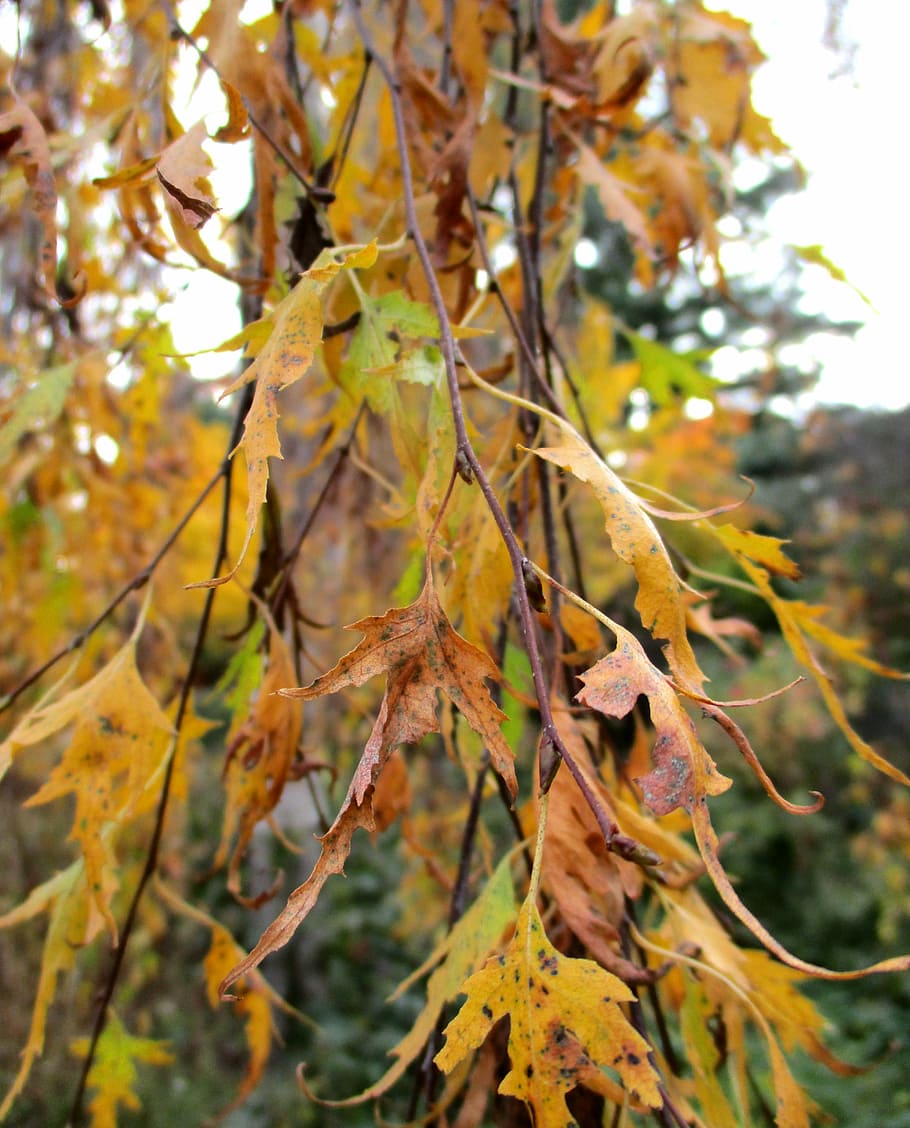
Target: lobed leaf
{"points": [[567, 1027], [417, 650]]}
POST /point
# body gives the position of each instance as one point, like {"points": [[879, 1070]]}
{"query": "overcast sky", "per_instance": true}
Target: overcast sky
{"points": [[850, 134]]}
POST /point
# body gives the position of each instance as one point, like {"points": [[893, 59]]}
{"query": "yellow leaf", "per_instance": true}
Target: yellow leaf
{"points": [[635, 540], [255, 1002], [282, 360], [71, 925], [472, 938], [120, 740], [567, 1026], [113, 1072], [798, 619]]}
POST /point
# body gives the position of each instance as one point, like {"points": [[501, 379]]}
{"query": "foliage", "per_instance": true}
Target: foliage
{"points": [[429, 441]]}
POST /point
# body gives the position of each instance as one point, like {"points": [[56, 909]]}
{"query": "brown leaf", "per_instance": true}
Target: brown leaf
{"points": [[419, 653], [683, 772], [22, 139], [182, 170]]}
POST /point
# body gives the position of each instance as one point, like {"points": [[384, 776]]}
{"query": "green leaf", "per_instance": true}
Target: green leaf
{"points": [[37, 407], [667, 375]]}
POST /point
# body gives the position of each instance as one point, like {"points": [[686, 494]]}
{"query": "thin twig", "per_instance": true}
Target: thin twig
{"points": [[151, 858]]}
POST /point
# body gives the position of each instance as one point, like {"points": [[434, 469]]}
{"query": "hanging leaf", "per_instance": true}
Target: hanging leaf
{"points": [[283, 359], [419, 653], [114, 1074], [567, 1027], [635, 540]]}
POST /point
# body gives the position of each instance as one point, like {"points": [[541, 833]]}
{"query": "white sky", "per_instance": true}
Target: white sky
{"points": [[850, 135]]}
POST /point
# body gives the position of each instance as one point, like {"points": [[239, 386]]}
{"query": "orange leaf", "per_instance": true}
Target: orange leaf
{"points": [[419, 652], [567, 1026], [260, 758]]}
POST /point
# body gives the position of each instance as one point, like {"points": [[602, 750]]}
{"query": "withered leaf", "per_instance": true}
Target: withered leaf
{"points": [[419, 652]]}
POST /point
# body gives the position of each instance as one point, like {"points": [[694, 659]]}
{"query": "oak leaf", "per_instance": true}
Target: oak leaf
{"points": [[418, 651], [567, 1026]]}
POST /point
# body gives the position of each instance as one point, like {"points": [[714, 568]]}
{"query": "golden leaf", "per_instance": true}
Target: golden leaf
{"points": [[635, 540], [282, 360], [567, 1026]]}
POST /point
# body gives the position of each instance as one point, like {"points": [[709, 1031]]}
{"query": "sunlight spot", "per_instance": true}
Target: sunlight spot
{"points": [[107, 449], [617, 459], [503, 255], [713, 322], [697, 408], [481, 280], [586, 254]]}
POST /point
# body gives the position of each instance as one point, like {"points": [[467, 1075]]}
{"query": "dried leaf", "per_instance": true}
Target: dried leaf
{"points": [[683, 773], [182, 169], [22, 139], [417, 650]]}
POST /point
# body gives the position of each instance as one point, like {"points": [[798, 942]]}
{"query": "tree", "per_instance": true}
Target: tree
{"points": [[425, 443]]}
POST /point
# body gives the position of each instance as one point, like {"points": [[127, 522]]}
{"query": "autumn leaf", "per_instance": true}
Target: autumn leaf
{"points": [[256, 1003], [758, 556], [260, 757], [73, 922], [283, 359], [38, 405], [182, 169], [23, 140], [567, 1026], [683, 773], [419, 653], [119, 741], [113, 1073], [635, 540]]}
